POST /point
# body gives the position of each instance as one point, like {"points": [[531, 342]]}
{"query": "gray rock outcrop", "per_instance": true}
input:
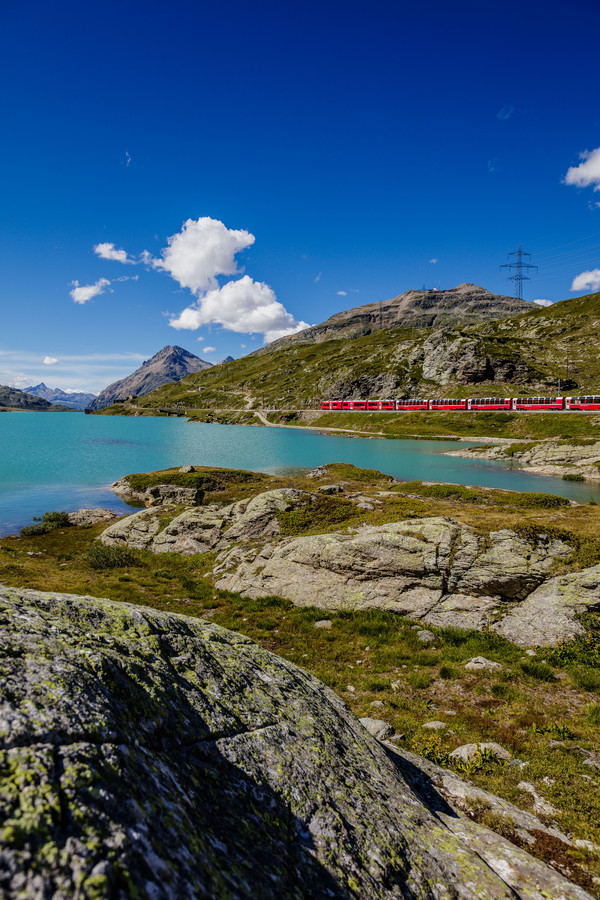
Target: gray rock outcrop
{"points": [[434, 569], [205, 528], [544, 457], [153, 755]]}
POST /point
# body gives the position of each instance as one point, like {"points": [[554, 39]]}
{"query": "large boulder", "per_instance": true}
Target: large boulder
{"points": [[433, 568], [204, 528], [153, 755]]}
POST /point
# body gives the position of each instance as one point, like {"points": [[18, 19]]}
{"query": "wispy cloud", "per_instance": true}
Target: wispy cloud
{"points": [[209, 349], [109, 251], [50, 360], [587, 281], [434, 260], [493, 165], [342, 293], [318, 277], [88, 372], [587, 173], [83, 293], [127, 158], [506, 112]]}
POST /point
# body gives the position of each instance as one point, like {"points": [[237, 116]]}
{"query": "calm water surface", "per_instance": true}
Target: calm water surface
{"points": [[66, 461]]}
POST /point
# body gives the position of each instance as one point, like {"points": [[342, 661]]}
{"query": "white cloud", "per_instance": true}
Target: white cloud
{"points": [[587, 281], [127, 158], [244, 306], [342, 293], [434, 260], [318, 277], [209, 349], [92, 372], [586, 173], [109, 251], [243, 346], [203, 249], [542, 302], [201, 338], [50, 360], [85, 292]]}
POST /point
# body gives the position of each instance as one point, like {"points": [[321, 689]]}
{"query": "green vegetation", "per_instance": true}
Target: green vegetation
{"points": [[571, 476], [49, 522], [100, 557], [203, 478]]}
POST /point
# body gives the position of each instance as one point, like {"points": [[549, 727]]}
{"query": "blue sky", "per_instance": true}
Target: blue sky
{"points": [[366, 147]]}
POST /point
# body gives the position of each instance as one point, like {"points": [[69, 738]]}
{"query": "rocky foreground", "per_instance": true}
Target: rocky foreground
{"points": [[153, 755], [434, 569]]}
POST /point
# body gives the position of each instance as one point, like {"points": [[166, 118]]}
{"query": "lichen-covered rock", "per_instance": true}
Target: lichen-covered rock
{"points": [[550, 613], [86, 517], [434, 568], [204, 528], [152, 755], [552, 457]]}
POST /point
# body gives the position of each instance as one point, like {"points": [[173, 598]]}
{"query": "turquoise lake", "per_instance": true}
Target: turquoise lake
{"points": [[65, 461]]}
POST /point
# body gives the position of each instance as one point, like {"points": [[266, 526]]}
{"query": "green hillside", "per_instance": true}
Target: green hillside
{"points": [[531, 350]]}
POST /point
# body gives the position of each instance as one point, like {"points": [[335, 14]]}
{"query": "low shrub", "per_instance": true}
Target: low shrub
{"points": [[538, 670], [420, 681], [573, 476], [586, 679], [448, 673], [593, 714], [100, 556], [49, 522]]}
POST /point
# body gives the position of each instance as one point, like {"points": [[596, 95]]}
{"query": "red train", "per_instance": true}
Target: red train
{"points": [[468, 403]]}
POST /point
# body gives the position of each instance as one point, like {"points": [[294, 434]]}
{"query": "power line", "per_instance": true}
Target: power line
{"points": [[518, 267]]}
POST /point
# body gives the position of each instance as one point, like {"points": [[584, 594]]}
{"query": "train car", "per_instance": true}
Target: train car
{"points": [[412, 404], [531, 403], [489, 403], [582, 402], [353, 405], [331, 404], [379, 405], [448, 404]]}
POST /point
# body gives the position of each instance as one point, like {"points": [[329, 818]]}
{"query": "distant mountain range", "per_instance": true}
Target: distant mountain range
{"points": [[13, 398], [73, 399], [169, 364]]}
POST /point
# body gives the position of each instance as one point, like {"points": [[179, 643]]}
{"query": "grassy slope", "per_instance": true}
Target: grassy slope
{"points": [[524, 707], [553, 341]]}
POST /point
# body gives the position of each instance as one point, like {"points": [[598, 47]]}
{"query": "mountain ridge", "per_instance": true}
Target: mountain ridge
{"points": [[171, 363], [73, 399]]}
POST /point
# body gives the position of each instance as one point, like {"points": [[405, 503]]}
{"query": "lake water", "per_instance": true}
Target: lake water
{"points": [[65, 461]]}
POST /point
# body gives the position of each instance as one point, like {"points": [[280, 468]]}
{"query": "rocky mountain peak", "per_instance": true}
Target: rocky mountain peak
{"points": [[172, 363]]}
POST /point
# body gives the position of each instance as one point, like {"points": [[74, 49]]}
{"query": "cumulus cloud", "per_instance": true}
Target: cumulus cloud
{"points": [[203, 249], [506, 112], [342, 293], [209, 349], [542, 302], [587, 173], [587, 281], [245, 306], [83, 293], [434, 260], [50, 360], [109, 251]]}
